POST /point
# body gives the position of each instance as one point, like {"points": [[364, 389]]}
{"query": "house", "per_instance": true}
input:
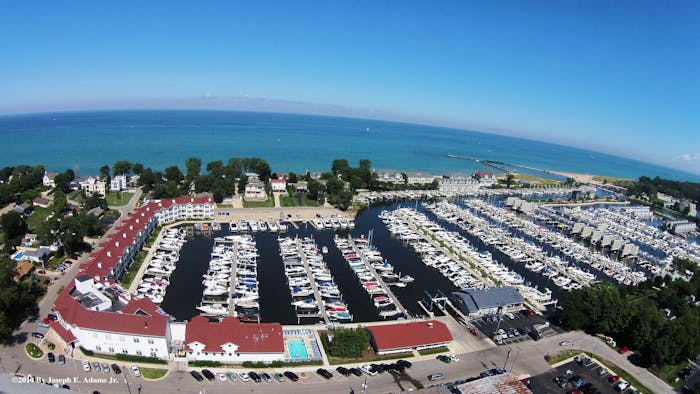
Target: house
{"points": [[254, 188], [483, 175], [23, 209], [97, 211], [91, 185], [493, 300], [41, 202], [386, 175], [233, 341], [40, 255], [300, 186], [405, 337], [118, 183], [23, 269], [278, 185], [278, 175], [419, 177], [49, 179]]}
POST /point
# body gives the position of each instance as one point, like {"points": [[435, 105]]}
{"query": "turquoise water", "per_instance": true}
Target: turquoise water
{"points": [[297, 349], [18, 256], [84, 141]]}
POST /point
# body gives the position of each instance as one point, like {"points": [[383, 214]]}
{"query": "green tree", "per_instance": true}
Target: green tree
{"points": [[60, 203], [510, 180], [174, 174], [104, 172], [193, 166], [292, 177], [137, 168], [121, 167], [340, 166], [14, 227]]}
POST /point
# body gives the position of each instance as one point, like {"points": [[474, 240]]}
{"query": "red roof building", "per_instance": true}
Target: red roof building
{"points": [[231, 340], [402, 337]]}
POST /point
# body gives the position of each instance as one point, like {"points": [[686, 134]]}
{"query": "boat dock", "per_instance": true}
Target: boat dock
{"points": [[379, 280], [314, 287]]}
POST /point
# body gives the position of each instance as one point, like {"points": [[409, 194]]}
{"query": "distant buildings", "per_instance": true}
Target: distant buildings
{"points": [[493, 300], [405, 337], [391, 176], [419, 177], [254, 189], [91, 185]]}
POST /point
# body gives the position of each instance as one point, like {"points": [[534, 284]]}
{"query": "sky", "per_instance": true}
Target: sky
{"points": [[620, 77]]}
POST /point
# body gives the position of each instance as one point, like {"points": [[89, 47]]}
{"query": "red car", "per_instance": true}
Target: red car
{"points": [[47, 320], [475, 331], [624, 350], [614, 379]]}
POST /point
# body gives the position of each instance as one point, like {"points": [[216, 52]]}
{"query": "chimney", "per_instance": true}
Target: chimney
{"points": [[131, 227], [116, 244], [137, 221], [99, 265], [124, 235]]}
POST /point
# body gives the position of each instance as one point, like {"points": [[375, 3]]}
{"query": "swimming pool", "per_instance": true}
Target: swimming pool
{"points": [[297, 349], [18, 256]]}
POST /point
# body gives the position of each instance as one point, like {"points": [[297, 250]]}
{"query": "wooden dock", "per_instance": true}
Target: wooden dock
{"points": [[314, 287], [383, 285]]}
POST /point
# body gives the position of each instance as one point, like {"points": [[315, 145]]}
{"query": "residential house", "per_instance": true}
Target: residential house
{"points": [[386, 175], [23, 209], [118, 183], [41, 202], [254, 189], [23, 269], [91, 185], [300, 186], [278, 185], [49, 179]]}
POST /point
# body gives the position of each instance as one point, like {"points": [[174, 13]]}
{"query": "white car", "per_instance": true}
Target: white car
{"points": [[44, 325], [368, 370], [510, 316], [565, 343], [244, 376], [622, 386], [221, 376], [135, 370], [86, 366], [453, 357]]}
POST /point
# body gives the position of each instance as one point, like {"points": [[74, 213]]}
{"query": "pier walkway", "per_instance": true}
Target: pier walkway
{"points": [[314, 286], [383, 285]]}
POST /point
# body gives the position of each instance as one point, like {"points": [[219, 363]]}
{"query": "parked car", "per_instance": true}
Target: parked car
{"points": [[220, 375], [564, 343], [474, 331], [624, 350], [291, 376], [105, 367], [197, 376], [436, 376], [116, 369], [51, 357], [43, 325], [244, 376], [86, 366], [343, 371], [61, 359], [377, 368], [444, 359], [356, 371], [613, 379], [366, 368], [266, 377], [453, 357], [232, 377], [404, 363], [255, 377], [324, 372], [622, 386], [577, 381], [208, 374], [135, 370], [279, 377], [38, 335]]}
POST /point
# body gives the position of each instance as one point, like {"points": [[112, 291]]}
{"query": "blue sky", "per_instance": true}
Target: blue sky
{"points": [[616, 76]]}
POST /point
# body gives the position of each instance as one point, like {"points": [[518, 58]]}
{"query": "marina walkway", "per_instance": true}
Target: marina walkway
{"points": [[314, 286]]}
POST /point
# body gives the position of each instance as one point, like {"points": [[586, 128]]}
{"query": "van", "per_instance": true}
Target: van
{"points": [[436, 376]]}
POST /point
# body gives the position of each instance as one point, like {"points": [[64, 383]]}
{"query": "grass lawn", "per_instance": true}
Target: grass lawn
{"points": [[669, 373], [133, 269], [152, 373], [259, 204], [34, 351], [38, 216], [55, 262], [75, 196], [221, 205], [535, 179], [307, 202], [561, 356], [117, 199], [288, 201], [441, 349]]}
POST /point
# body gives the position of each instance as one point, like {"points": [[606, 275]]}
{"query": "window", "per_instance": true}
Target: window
{"points": [[108, 337], [125, 351], [98, 348], [111, 349], [136, 340], [150, 341], [154, 354], [138, 353]]}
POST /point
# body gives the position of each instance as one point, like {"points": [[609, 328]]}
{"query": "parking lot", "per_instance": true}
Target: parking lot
{"points": [[593, 374], [517, 329]]}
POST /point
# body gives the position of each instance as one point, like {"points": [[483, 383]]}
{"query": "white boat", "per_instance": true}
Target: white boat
{"points": [[324, 250], [389, 313], [213, 309], [406, 279]]}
